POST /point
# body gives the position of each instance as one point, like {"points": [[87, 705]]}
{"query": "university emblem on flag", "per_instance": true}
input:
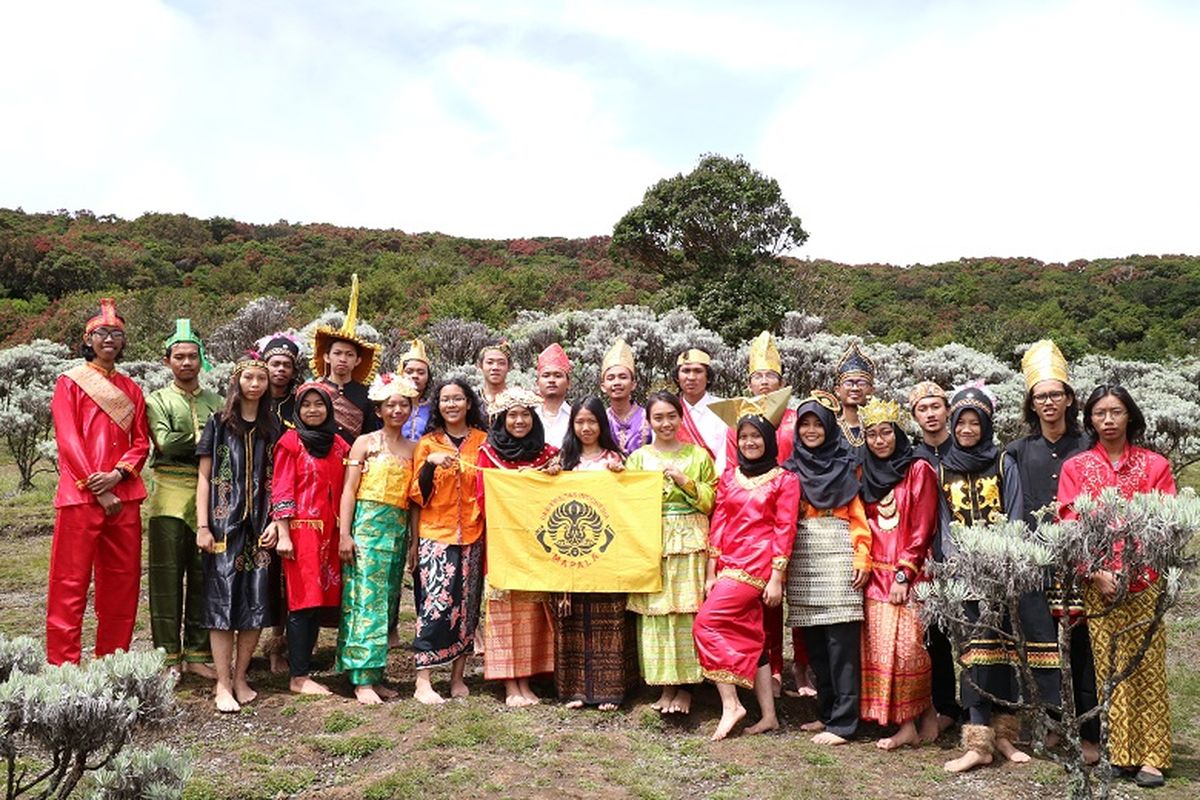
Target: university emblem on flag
{"points": [[574, 532]]}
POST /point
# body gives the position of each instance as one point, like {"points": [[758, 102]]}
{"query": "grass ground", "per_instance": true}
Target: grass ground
{"points": [[288, 746]]}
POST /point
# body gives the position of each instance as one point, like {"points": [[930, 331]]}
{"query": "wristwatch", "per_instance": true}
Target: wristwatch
{"points": [[901, 577]]}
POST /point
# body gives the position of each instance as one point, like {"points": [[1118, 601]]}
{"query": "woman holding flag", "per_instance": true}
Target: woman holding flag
{"points": [[666, 649]]}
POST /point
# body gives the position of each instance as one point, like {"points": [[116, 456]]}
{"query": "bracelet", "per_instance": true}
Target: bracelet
{"points": [[202, 527]]}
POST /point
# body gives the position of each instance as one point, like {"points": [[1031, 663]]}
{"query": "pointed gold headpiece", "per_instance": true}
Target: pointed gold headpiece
{"points": [[768, 406], [764, 355], [1043, 361]]}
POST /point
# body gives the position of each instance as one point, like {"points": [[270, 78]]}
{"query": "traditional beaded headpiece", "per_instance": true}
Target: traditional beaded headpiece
{"points": [[390, 384], [922, 390], [854, 362], [511, 398]]}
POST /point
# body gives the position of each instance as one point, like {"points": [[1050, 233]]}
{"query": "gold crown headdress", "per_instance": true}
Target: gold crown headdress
{"points": [[770, 407], [325, 335], [764, 355], [693, 356], [877, 411], [619, 355], [511, 398], [1043, 361]]}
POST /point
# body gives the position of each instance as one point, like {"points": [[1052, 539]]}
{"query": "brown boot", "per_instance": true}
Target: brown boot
{"points": [[979, 742]]}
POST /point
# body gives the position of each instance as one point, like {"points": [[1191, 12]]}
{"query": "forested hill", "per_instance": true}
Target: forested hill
{"points": [[54, 266]]}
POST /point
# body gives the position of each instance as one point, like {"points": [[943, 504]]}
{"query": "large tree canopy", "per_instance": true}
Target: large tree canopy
{"points": [[721, 216], [714, 236]]}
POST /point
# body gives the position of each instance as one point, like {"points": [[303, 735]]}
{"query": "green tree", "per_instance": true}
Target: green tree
{"points": [[715, 235]]}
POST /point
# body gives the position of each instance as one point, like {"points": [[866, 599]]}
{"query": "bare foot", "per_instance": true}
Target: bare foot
{"points": [[776, 685], [729, 718], [968, 761], [763, 725], [813, 727], [1010, 751], [517, 700], [426, 695], [201, 670], [1091, 752], [664, 700], [682, 703], [831, 739], [575, 704], [226, 703], [928, 727], [306, 685], [367, 696], [279, 664], [528, 694], [609, 706], [906, 735], [459, 689], [385, 692], [945, 723], [243, 692]]}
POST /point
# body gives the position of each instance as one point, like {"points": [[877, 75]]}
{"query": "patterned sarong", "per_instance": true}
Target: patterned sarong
{"points": [[518, 637], [896, 670], [595, 654], [446, 590]]}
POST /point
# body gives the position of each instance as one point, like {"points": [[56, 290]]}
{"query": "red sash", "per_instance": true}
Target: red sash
{"points": [[688, 432]]}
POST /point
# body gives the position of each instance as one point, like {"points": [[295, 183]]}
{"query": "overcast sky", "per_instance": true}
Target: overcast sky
{"points": [[902, 132]]}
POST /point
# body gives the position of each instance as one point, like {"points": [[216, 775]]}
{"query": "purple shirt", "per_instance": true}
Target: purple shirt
{"points": [[631, 433]]}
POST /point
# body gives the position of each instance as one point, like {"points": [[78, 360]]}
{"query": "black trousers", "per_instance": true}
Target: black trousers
{"points": [[836, 660], [303, 627], [1083, 679], [945, 682]]}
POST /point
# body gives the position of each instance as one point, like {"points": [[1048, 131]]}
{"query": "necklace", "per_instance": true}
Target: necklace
{"points": [[888, 518], [855, 440]]}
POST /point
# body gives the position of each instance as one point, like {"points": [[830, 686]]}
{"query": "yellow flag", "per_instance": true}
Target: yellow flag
{"points": [[574, 532]]}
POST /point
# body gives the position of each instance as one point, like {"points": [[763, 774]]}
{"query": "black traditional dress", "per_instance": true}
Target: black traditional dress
{"points": [[241, 578]]}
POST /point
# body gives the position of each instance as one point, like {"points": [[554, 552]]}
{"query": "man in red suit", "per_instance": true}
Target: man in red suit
{"points": [[103, 440]]}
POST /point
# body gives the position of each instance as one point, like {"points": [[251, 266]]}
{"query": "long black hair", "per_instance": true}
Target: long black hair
{"points": [[1070, 415], [1136, 428], [266, 424], [572, 448], [664, 397], [474, 417]]}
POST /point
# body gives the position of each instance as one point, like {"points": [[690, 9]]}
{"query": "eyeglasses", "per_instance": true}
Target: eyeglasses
{"points": [[105, 333], [1109, 413], [853, 383], [1049, 397], [453, 400]]}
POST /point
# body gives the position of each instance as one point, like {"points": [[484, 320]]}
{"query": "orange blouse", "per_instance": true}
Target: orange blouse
{"points": [[451, 514]]}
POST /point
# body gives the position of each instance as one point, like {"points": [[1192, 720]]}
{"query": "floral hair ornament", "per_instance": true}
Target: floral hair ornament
{"points": [[249, 360], [107, 318], [769, 407], [389, 385], [876, 411], [512, 398]]}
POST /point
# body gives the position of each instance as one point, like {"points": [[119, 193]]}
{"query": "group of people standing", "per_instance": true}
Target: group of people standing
{"points": [[292, 507]]}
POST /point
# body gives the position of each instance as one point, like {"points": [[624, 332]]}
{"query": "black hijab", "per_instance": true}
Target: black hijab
{"points": [[879, 476], [317, 441], [511, 448], [770, 457], [983, 454], [827, 473]]}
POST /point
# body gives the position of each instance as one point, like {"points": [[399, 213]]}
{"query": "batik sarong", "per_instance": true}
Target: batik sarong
{"points": [[595, 654], [446, 590]]}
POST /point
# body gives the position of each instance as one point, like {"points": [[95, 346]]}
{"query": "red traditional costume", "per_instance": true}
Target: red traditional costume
{"points": [[752, 531], [896, 670], [100, 425]]}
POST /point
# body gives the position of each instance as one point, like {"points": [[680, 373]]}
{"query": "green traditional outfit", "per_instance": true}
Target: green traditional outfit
{"points": [[666, 649], [176, 419], [372, 583]]}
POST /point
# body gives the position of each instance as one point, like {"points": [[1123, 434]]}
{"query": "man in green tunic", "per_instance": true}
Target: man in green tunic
{"points": [[177, 414]]}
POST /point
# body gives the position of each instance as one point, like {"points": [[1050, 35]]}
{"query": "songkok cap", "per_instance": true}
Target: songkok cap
{"points": [[693, 356], [876, 411], [415, 352], [184, 333], [922, 390], [554, 357], [107, 318], [770, 407], [855, 363], [1043, 361], [619, 355], [511, 398], [764, 355], [390, 384], [324, 336]]}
